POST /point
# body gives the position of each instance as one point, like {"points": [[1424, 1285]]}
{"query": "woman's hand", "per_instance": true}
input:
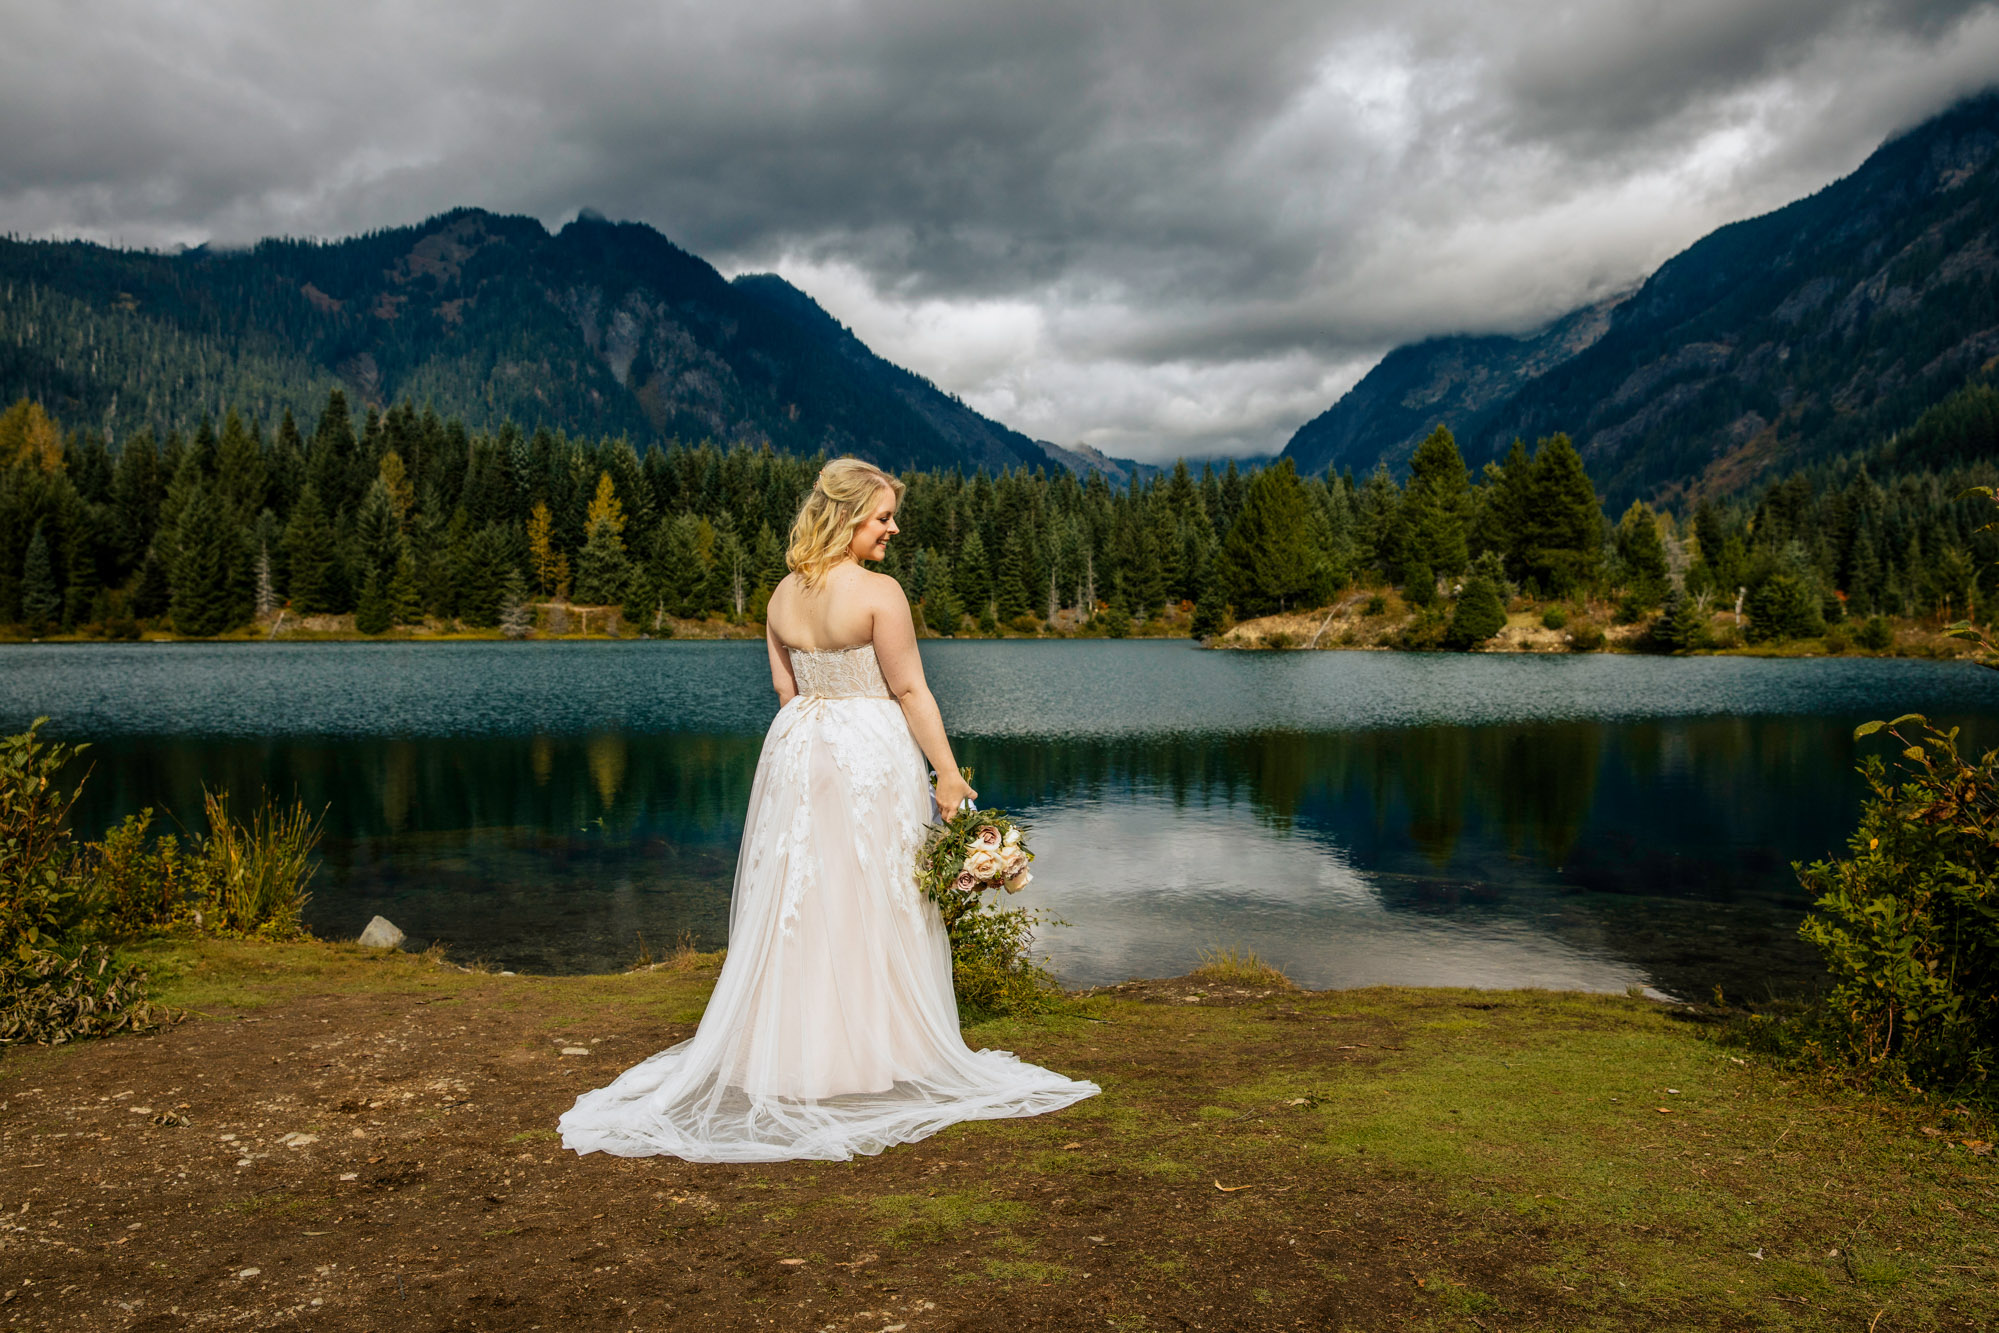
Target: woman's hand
{"points": [[952, 792]]}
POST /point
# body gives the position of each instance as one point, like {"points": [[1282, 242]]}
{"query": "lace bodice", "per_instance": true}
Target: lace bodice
{"points": [[840, 673]]}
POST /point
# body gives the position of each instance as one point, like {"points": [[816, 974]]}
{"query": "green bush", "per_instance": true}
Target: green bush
{"points": [[59, 900], [1478, 615], [1586, 637], [1783, 607], [1555, 617], [1877, 635], [1377, 605], [992, 966], [1908, 923]]}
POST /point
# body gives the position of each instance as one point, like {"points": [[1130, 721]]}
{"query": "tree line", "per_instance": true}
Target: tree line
{"points": [[402, 516]]}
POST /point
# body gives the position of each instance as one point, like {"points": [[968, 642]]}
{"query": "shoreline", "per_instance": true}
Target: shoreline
{"points": [[1344, 626], [344, 1140]]}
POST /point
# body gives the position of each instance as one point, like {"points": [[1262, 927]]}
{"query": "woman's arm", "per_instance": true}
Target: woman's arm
{"points": [[902, 668], [781, 678]]}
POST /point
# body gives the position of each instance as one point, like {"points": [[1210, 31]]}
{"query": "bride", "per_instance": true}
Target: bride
{"points": [[832, 1029]]}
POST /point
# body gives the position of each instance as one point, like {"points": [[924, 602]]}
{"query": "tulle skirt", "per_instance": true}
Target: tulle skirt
{"points": [[832, 1029]]}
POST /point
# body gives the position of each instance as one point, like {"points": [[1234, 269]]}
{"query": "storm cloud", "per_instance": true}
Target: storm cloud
{"points": [[1160, 229]]}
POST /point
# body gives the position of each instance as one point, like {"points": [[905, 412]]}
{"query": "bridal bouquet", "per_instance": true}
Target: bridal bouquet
{"points": [[970, 852]]}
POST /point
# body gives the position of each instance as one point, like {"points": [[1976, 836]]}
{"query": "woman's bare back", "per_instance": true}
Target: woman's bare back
{"points": [[839, 613]]}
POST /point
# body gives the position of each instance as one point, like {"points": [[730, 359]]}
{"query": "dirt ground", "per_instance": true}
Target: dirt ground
{"points": [[371, 1146]]}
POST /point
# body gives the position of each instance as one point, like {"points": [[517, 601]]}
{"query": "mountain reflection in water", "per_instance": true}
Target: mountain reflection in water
{"points": [[1356, 818]]}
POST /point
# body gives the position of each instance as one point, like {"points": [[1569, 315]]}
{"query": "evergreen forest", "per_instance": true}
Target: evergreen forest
{"points": [[404, 518]]}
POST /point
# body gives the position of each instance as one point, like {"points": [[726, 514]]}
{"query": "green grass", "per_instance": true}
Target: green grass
{"points": [[1515, 1138]]}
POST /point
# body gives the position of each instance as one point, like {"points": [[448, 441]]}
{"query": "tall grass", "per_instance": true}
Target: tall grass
{"points": [[1228, 965], [255, 873]]}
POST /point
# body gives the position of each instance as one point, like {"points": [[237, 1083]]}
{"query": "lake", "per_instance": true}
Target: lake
{"points": [[1591, 822]]}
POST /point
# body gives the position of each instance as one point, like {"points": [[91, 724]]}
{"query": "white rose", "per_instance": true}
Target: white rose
{"points": [[1019, 882], [1012, 837], [1013, 861], [983, 864]]}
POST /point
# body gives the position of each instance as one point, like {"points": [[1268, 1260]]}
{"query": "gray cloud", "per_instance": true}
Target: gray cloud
{"points": [[1158, 228]]}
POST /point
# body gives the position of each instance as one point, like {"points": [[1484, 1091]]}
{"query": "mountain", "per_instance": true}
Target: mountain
{"points": [[1452, 380], [600, 328], [1810, 331]]}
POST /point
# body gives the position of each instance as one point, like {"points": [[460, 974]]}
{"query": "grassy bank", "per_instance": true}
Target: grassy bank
{"points": [[1380, 620], [369, 1144]]}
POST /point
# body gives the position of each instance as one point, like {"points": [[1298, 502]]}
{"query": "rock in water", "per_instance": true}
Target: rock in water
{"points": [[381, 934]]}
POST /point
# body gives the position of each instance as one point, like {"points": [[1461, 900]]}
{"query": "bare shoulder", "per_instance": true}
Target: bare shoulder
{"points": [[880, 588]]}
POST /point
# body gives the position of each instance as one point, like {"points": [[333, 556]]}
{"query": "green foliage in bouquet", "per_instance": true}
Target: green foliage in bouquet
{"points": [[993, 970], [1909, 922]]}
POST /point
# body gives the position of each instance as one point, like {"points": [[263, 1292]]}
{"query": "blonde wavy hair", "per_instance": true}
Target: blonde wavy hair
{"points": [[841, 500]]}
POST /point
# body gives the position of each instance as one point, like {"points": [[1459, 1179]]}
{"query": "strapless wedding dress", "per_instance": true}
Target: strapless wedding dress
{"points": [[832, 1029]]}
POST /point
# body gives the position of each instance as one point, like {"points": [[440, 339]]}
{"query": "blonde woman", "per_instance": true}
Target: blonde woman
{"points": [[832, 1029]]}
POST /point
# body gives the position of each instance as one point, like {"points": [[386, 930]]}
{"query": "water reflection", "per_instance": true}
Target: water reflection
{"points": [[1360, 818], [1597, 855]]}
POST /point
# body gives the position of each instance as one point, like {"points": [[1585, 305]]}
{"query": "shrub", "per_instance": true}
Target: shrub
{"points": [[58, 899], [1876, 636], [1555, 617], [1478, 615], [1782, 607], [1908, 923], [1377, 605], [1836, 641], [1630, 610], [38, 857], [50, 998], [992, 966], [1586, 637], [1424, 632], [1279, 639]]}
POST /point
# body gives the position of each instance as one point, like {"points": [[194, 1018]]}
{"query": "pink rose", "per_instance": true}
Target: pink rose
{"points": [[1013, 861], [966, 882], [988, 838]]}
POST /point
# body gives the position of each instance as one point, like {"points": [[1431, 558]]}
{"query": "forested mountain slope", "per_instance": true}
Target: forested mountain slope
{"points": [[599, 329], [1450, 381], [1808, 332]]}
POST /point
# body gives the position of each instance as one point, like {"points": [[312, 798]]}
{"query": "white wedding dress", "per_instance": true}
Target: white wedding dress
{"points": [[832, 1029]]}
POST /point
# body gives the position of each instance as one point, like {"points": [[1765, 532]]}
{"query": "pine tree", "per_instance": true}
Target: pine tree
{"points": [[974, 580], [315, 585], [1267, 561], [542, 554], [1478, 616], [152, 593], [239, 468], [1437, 506], [1014, 599], [330, 463], [405, 594], [1784, 606], [1562, 528], [941, 608], [372, 612], [201, 602], [482, 576], [1642, 556], [1682, 623], [40, 602]]}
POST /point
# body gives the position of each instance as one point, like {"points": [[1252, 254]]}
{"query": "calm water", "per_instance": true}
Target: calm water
{"points": [[1360, 818]]}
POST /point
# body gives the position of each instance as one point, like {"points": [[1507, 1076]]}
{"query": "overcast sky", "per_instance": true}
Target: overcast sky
{"points": [[1158, 228]]}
